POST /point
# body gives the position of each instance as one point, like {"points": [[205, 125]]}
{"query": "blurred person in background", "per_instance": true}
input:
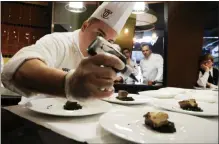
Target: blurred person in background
{"points": [[208, 75], [151, 66], [132, 64]]}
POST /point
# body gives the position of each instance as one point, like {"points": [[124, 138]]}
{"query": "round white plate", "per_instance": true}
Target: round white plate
{"points": [[129, 125], [174, 90], [209, 109], [202, 97], [138, 99], [206, 92], [54, 106], [161, 94], [211, 89]]}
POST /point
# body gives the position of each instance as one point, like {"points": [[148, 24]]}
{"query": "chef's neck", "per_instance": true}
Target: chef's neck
{"points": [[147, 57], [128, 59], [83, 45]]}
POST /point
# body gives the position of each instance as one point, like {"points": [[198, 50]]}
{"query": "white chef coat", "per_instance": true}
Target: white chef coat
{"points": [[134, 66], [203, 79], [152, 68], [57, 50]]}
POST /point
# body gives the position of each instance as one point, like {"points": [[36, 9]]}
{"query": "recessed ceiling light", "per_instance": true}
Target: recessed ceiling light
{"points": [[76, 7]]}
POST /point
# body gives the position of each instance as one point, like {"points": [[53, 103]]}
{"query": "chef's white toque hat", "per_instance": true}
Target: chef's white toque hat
{"points": [[115, 14]]}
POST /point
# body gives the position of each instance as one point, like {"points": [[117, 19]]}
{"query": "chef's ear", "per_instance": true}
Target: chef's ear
{"points": [[84, 26]]}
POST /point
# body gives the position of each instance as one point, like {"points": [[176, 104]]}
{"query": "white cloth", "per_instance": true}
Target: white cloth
{"points": [[57, 50], [114, 14], [134, 66], [203, 79], [152, 68]]}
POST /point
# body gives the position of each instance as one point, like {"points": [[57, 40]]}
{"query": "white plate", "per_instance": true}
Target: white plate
{"points": [[209, 109], [162, 94], [138, 99], [206, 92], [202, 97], [129, 125], [211, 89], [54, 106], [175, 89]]}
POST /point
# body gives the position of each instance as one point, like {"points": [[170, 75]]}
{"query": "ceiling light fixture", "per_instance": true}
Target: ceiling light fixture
{"points": [[126, 30], [76, 7], [154, 35], [140, 7]]}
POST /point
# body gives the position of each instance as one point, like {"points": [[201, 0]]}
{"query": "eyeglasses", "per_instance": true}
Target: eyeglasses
{"points": [[207, 62], [126, 52]]}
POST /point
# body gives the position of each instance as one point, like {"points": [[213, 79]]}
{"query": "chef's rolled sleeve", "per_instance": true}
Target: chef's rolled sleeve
{"points": [[45, 50]]}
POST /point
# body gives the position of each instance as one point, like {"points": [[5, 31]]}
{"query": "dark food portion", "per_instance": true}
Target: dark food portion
{"points": [[158, 122], [123, 96], [190, 105], [168, 128], [72, 106], [198, 109]]}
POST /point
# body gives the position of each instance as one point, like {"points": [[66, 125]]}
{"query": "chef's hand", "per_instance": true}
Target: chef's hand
{"points": [[150, 83], [94, 77], [204, 67], [118, 79], [208, 85]]}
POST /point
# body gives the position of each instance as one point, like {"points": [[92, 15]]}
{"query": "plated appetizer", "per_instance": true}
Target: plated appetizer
{"points": [[123, 96], [72, 106], [158, 121], [190, 105]]}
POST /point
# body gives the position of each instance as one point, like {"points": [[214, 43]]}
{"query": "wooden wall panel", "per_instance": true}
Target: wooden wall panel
{"points": [[185, 37], [126, 40], [23, 24]]}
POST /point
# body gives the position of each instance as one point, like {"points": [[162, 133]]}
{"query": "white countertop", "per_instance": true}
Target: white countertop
{"points": [[7, 92], [84, 129]]}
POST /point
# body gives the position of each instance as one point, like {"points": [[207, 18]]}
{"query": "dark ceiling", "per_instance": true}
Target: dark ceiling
{"points": [[210, 20], [158, 8]]}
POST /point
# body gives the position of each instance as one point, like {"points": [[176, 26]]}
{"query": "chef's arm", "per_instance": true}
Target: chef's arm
{"points": [[141, 67], [212, 86], [135, 69], [32, 69], [160, 69], [35, 75]]}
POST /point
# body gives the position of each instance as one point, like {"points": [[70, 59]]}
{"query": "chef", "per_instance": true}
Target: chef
{"points": [[37, 68], [151, 66], [132, 64]]}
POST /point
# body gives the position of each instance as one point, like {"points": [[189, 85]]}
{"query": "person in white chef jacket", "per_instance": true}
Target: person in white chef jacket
{"points": [[132, 64], [37, 69], [151, 66]]}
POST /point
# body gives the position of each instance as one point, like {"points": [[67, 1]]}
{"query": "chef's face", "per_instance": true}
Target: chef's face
{"points": [[146, 51], [126, 53], [96, 28]]}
